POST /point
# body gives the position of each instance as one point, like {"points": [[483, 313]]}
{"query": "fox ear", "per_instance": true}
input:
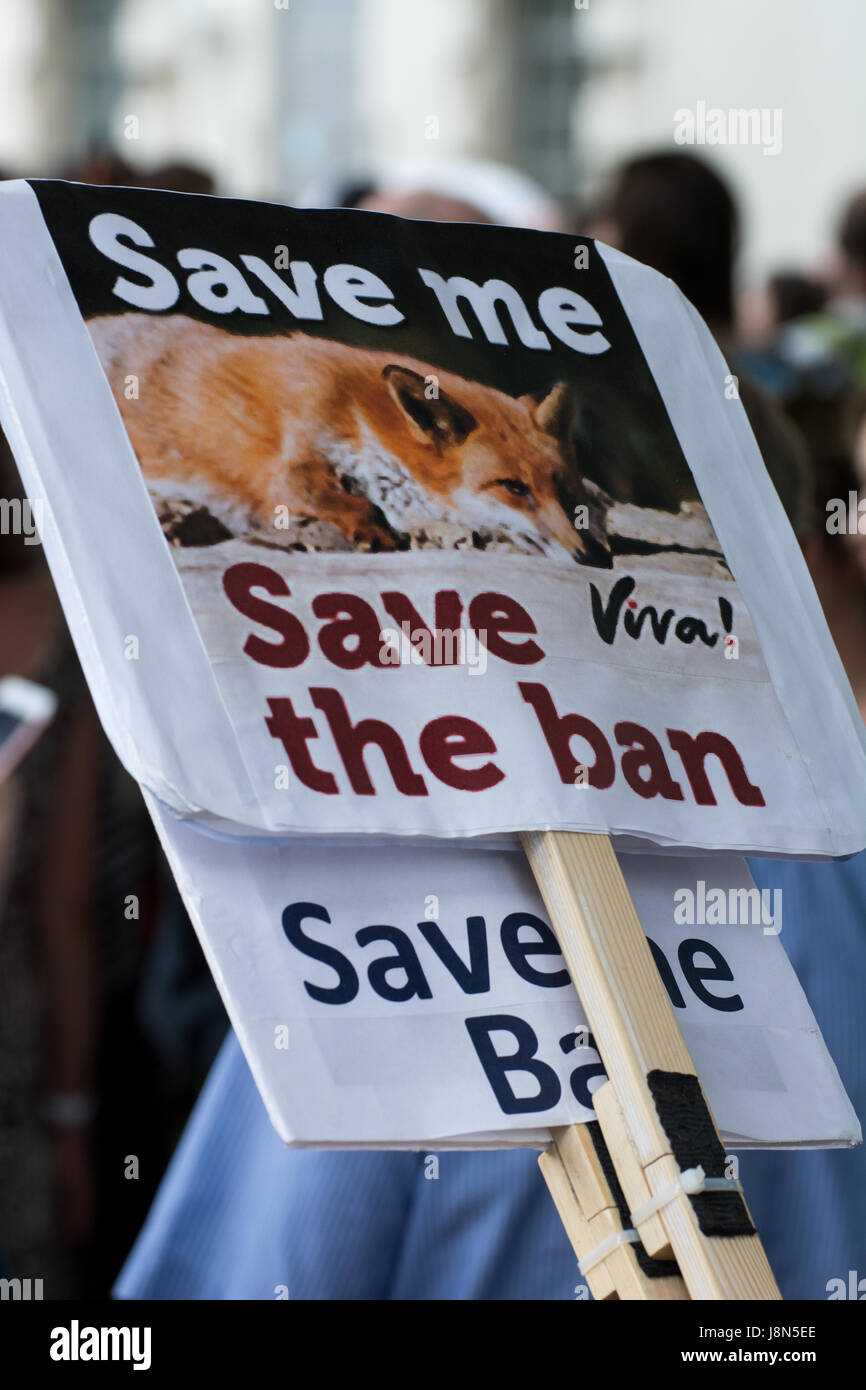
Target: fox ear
{"points": [[555, 414], [436, 417]]}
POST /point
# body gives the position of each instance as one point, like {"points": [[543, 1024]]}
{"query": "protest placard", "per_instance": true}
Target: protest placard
{"points": [[467, 532], [368, 529], [405, 998]]}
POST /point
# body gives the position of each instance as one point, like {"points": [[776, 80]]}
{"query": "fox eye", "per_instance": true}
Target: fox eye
{"points": [[514, 486]]}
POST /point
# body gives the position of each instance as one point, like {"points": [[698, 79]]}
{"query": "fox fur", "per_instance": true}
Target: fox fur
{"points": [[374, 443]]}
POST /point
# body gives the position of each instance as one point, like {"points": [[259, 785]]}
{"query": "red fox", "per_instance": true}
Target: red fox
{"points": [[374, 443]]}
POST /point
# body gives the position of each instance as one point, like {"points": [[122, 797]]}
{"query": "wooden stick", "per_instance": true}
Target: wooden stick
{"points": [[562, 1186], [632, 1178], [636, 1033], [590, 1214]]}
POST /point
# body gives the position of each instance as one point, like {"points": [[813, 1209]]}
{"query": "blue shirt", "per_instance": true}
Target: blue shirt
{"points": [[240, 1216], [810, 1207]]}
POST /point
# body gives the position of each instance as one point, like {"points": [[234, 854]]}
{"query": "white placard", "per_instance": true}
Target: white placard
{"points": [[374, 989], [669, 678]]}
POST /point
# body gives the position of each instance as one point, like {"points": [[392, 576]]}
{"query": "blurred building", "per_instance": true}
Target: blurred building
{"points": [[280, 96]]}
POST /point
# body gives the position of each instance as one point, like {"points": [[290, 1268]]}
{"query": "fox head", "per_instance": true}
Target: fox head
{"points": [[500, 460]]}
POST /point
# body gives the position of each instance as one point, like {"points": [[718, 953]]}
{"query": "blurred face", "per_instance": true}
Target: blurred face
{"points": [[860, 455], [857, 544]]}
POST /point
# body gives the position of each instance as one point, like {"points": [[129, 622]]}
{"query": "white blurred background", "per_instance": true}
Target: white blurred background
{"points": [[291, 99]]}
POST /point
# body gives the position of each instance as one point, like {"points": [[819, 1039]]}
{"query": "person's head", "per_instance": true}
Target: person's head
{"points": [[103, 167], [452, 190], [792, 295], [108, 169], [179, 177], [674, 213], [851, 245], [855, 476], [422, 204]]}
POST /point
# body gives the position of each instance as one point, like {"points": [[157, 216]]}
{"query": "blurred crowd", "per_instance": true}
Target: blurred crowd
{"points": [[108, 1019]]}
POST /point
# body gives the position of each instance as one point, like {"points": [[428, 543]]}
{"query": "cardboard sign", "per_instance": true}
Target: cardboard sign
{"points": [[369, 529], [431, 530], [404, 998]]}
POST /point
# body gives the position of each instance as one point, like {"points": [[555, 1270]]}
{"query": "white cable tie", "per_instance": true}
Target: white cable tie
{"points": [[606, 1247], [691, 1181]]}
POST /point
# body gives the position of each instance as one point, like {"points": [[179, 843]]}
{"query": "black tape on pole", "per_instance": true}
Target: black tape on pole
{"points": [[687, 1122], [652, 1268]]}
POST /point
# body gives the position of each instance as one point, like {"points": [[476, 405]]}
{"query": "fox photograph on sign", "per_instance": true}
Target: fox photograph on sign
{"points": [[434, 813]]}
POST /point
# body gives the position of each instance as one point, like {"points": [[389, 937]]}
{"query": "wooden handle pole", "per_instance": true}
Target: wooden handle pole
{"points": [[590, 1212], [636, 1033]]}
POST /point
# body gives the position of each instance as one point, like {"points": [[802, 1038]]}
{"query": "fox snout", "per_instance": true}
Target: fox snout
{"points": [[585, 543], [592, 548]]}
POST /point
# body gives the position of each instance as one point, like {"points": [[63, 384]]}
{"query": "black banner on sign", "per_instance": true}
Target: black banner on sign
{"points": [[258, 269]]}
